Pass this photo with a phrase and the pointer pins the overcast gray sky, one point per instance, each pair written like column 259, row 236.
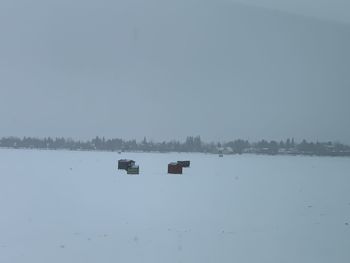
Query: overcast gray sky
column 167, row 69
column 337, row 10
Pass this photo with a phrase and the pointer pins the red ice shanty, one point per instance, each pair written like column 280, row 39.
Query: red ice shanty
column 174, row 168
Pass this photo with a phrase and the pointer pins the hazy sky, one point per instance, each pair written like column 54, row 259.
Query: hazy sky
column 337, row 10
column 167, row 69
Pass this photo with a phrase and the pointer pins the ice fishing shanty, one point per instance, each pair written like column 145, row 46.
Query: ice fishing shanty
column 124, row 164
column 129, row 166
column 134, row 169
column 184, row 163
column 174, row 168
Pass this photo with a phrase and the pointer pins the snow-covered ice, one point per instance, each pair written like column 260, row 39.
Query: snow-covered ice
column 65, row 206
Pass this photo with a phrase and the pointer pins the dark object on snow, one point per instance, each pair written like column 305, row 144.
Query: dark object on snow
column 134, row 169
column 174, row 168
column 221, row 154
column 184, row 163
column 124, row 164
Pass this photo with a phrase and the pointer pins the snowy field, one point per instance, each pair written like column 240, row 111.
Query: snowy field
column 65, row 207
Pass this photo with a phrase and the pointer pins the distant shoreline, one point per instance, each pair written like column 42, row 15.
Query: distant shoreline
column 192, row 145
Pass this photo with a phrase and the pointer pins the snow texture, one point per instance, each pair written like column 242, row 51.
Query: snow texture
column 65, row 207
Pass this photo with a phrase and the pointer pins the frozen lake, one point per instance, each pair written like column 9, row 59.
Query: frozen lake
column 65, row 207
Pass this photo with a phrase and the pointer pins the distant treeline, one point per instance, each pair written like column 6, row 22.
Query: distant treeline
column 191, row 144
